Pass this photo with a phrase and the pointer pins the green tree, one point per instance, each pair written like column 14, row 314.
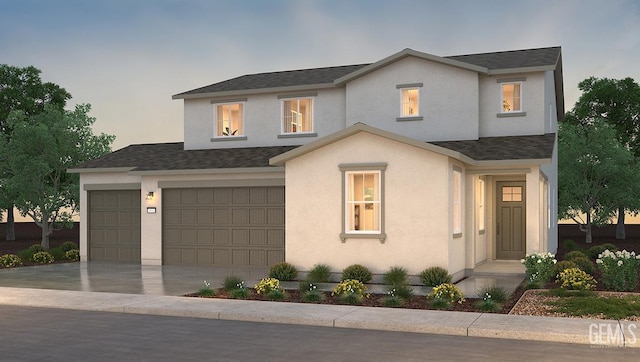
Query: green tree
column 618, row 103
column 43, row 147
column 21, row 89
column 595, row 170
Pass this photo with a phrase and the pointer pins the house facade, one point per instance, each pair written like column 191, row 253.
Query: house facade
column 415, row 160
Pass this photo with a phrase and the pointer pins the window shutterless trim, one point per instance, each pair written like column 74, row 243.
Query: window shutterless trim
column 229, row 138
column 298, row 95
column 363, row 167
column 409, row 119
column 230, row 100
column 409, row 85
column 511, row 114
column 511, row 80
column 298, row 134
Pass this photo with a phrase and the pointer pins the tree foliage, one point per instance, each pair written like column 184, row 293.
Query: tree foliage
column 618, row 103
column 21, row 89
column 43, row 146
column 595, row 170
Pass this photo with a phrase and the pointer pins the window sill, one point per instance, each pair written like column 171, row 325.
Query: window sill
column 511, row 114
column 409, row 119
column 481, row 232
column 229, row 138
column 457, row 236
column 297, row 135
column 381, row 236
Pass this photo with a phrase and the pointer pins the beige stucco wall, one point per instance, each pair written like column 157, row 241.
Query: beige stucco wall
column 262, row 119
column 448, row 100
column 416, row 206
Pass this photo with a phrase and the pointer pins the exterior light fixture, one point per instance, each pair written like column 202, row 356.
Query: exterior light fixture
column 149, row 195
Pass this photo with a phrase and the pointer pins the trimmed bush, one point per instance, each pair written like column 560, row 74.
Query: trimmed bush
column 57, row 253
column 570, row 245
column 42, row 257
column 575, row 254
column 36, row 248
column 283, row 271
column 444, row 294
column 596, row 250
column 563, row 265
column 68, row 245
column 576, row 279
column 434, row 276
column 585, row 264
column 395, row 276
column 320, row 273
column 72, row 255
column 357, row 272
column 10, row 260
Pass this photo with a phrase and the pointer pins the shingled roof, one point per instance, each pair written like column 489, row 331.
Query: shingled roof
column 173, row 156
column 516, row 59
column 504, row 148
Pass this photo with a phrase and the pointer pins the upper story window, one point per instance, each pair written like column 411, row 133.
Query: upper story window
column 409, row 102
column 229, row 120
column 297, row 115
column 511, row 97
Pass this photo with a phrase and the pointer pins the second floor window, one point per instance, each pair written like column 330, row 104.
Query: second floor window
column 410, row 102
column 297, row 115
column 229, row 120
column 511, row 97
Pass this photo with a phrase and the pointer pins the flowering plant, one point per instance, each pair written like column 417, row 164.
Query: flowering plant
column 267, row 285
column 576, row 279
column 73, row 254
column 10, row 260
column 351, row 290
column 539, row 267
column 447, row 293
column 42, row 257
column 206, row 291
column 619, row 269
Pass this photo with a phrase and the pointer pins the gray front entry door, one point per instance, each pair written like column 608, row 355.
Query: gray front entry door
column 511, row 220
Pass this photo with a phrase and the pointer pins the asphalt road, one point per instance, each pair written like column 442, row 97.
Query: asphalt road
column 35, row 334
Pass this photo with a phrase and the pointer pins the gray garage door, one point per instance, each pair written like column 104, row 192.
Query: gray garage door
column 223, row 226
column 114, row 225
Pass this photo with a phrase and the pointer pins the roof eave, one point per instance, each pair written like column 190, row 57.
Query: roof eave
column 100, row 169
column 234, row 93
column 208, row 171
column 403, row 54
column 542, row 68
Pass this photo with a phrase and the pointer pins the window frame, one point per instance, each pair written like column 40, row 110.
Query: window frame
column 216, row 122
column 510, row 81
column 409, row 117
column 456, row 202
column 363, row 168
column 502, row 98
column 297, row 98
column 481, row 202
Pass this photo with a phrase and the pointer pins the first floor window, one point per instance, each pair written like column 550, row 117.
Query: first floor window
column 410, row 102
column 457, row 201
column 363, row 201
column 229, row 120
column 481, row 201
column 297, row 115
column 511, row 97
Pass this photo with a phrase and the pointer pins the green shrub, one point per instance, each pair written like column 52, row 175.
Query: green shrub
column 72, row 255
column 240, row 293
column 283, row 271
column 570, row 245
column 445, row 294
column 563, row 265
column 26, row 254
column 540, row 267
column 576, row 279
column 585, row 264
column 596, row 250
column 488, row 303
column 357, row 272
column 42, row 257
column 619, row 270
column 232, row 282
column 267, row 285
column 68, row 245
column 320, row 273
column 434, row 276
column 575, row 254
column 36, row 248
column 351, row 291
column 395, row 276
column 10, row 260
column 496, row 294
column 206, row 291
column 393, row 300
column 311, row 293
column 57, row 253
column 404, row 291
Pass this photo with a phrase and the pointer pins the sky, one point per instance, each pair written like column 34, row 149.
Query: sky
column 128, row 57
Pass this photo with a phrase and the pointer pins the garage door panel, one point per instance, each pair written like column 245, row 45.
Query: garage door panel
column 231, row 226
column 114, row 225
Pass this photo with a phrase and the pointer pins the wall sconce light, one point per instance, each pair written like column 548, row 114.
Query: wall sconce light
column 149, row 195
column 151, row 210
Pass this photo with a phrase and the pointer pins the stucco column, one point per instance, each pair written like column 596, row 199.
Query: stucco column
column 533, row 211
column 150, row 223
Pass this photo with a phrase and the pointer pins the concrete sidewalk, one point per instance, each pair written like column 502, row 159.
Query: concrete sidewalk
column 600, row 333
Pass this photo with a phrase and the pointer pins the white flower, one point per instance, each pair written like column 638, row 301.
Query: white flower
column 619, row 262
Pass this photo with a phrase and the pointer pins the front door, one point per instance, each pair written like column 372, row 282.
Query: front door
column 511, row 225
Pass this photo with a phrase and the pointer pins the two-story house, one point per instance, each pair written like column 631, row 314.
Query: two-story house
column 415, row 160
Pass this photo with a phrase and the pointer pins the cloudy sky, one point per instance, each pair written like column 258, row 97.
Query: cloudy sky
column 128, row 57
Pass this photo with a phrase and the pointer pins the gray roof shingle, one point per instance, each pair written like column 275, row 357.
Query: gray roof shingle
column 173, row 156
column 504, row 148
column 492, row 61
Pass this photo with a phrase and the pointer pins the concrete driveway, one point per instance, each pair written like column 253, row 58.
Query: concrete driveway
column 95, row 276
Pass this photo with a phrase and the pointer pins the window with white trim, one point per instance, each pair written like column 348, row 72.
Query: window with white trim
column 297, row 115
column 229, row 120
column 363, row 201
column 457, row 202
column 511, row 97
column 410, row 102
column 481, row 200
